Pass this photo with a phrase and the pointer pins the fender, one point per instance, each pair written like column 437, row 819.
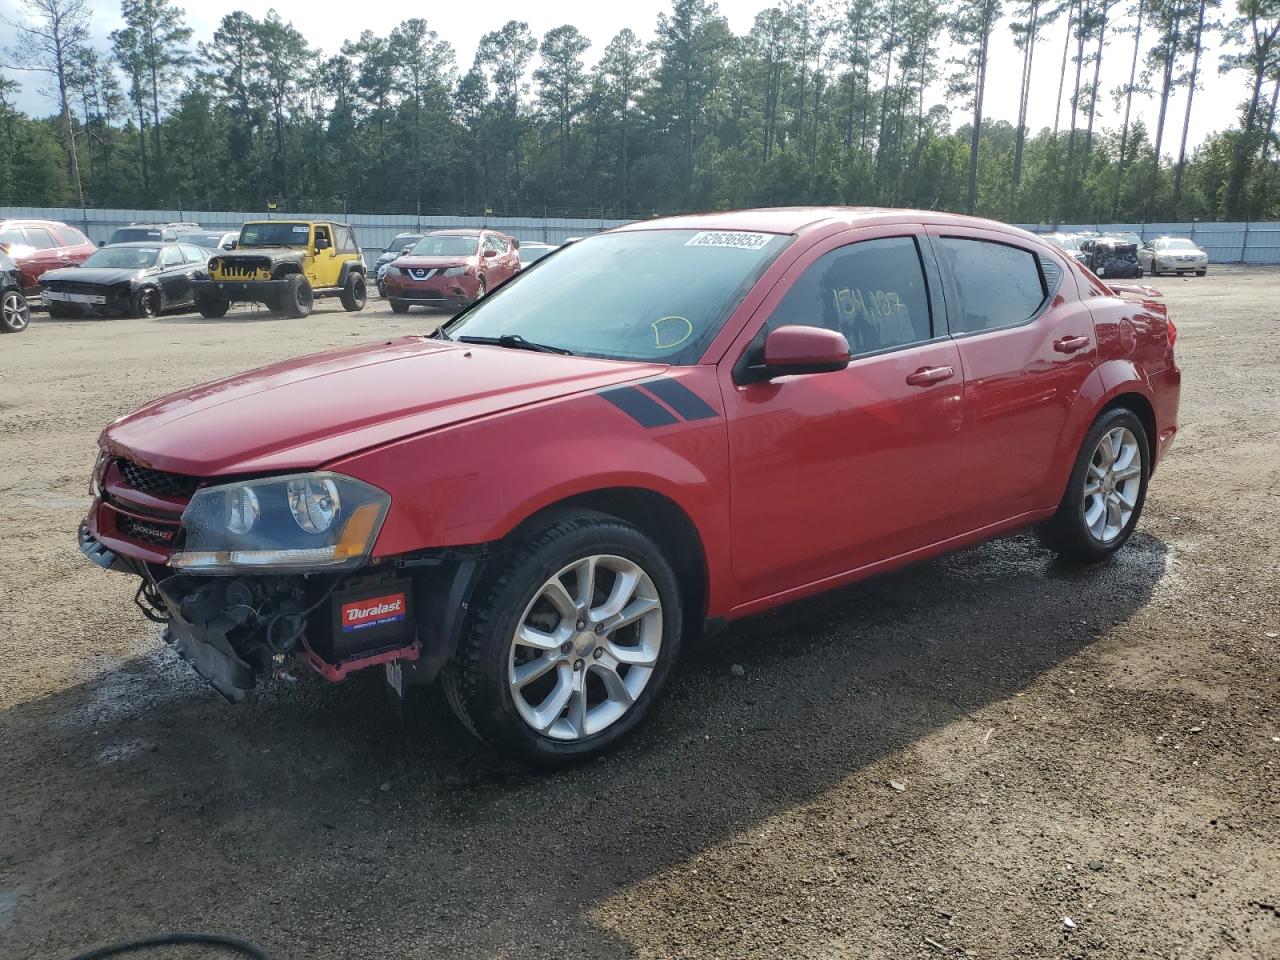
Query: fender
column 347, row 268
column 1110, row 379
column 475, row 482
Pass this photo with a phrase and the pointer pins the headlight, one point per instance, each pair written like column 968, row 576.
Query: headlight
column 454, row 272
column 392, row 271
column 215, row 264
column 296, row 523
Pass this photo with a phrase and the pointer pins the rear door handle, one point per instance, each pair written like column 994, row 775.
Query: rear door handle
column 1070, row 344
column 927, row 375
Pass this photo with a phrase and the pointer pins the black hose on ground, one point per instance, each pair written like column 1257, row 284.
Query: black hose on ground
column 173, row 939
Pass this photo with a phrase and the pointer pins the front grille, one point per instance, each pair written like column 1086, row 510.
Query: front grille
column 70, row 286
column 156, row 482
column 242, row 268
column 159, row 534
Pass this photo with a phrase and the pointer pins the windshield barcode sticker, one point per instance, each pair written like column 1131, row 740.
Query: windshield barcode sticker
column 300, row 229
column 721, row 238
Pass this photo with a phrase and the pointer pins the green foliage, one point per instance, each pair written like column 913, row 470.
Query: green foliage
column 821, row 101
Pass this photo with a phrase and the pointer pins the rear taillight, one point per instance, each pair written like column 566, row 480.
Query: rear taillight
column 1173, row 332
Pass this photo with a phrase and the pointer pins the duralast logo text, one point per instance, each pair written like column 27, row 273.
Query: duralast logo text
column 374, row 612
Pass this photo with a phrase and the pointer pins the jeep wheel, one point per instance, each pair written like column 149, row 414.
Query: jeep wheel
column 399, row 306
column 297, row 296
column 570, row 642
column 355, row 293
column 14, row 312
column 145, row 303
column 212, row 307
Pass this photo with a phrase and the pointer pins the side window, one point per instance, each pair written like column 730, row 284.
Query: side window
column 996, row 285
column 346, row 240
column 873, row 292
column 172, row 257
column 70, row 237
column 13, row 237
column 40, row 238
column 322, row 233
column 193, row 254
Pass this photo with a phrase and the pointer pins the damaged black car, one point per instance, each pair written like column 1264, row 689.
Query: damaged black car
column 1111, row 258
column 127, row 280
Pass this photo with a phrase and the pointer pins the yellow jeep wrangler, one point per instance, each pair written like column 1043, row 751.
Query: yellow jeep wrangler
column 285, row 265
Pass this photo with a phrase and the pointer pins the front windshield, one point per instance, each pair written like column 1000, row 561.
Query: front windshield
column 445, row 245
column 531, row 254
column 402, row 241
column 210, row 241
column 129, row 258
column 134, row 234
column 657, row 295
column 279, row 233
column 1177, row 245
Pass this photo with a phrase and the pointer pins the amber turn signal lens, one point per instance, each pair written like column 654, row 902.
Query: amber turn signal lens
column 357, row 535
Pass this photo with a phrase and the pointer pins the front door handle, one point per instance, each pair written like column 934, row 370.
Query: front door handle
column 1070, row 344
column 927, row 375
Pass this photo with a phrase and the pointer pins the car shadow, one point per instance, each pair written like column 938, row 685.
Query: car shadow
column 313, row 821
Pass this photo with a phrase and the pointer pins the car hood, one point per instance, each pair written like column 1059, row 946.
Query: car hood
column 304, row 413
column 431, row 263
column 100, row 275
column 275, row 253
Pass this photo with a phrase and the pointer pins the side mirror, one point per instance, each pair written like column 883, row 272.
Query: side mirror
column 792, row 350
column 322, row 243
column 102, row 243
column 489, row 253
column 405, row 251
column 515, row 244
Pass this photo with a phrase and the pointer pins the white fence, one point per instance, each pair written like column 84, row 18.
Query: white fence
column 374, row 232
column 1224, row 242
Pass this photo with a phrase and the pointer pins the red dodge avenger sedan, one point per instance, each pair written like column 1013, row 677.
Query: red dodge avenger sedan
column 451, row 269
column 672, row 424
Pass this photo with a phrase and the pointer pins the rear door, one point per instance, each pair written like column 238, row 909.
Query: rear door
column 831, row 472
column 47, row 253
column 1027, row 345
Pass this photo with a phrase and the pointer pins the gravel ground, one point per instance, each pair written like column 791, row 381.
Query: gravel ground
column 991, row 755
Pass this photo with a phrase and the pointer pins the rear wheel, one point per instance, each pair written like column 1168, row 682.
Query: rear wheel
column 15, row 314
column 570, row 643
column 355, row 292
column 212, row 307
column 1106, row 492
column 146, row 303
column 399, row 306
column 297, row 298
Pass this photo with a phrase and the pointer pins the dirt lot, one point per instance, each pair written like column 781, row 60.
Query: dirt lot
column 1101, row 745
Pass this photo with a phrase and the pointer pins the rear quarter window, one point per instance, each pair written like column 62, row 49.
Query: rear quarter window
column 994, row 284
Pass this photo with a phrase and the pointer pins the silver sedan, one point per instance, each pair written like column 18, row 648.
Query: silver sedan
column 1172, row 255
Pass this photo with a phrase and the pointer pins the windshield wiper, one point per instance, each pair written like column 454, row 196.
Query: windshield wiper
column 516, row 342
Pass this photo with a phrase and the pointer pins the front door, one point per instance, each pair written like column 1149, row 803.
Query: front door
column 832, row 472
column 1027, row 344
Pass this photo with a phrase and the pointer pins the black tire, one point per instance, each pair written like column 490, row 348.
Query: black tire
column 481, row 289
column 1067, row 531
column 1201, row 273
column 476, row 680
column 399, row 306
column 145, row 303
column 355, row 293
column 211, row 306
column 382, row 287
column 15, row 312
column 297, row 298
column 62, row 311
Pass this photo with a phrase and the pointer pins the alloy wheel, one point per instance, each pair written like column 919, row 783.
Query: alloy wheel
column 585, row 647
column 1112, row 484
column 15, row 311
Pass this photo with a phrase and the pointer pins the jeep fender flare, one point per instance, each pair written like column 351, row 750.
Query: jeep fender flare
column 347, row 267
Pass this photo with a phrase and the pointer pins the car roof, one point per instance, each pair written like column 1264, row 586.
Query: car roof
column 796, row 220
column 146, row 243
column 460, row 232
column 33, row 223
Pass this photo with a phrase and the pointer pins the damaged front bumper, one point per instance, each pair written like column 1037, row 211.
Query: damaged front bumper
column 404, row 614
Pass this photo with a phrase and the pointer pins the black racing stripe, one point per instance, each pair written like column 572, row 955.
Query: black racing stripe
column 642, row 409
column 681, row 399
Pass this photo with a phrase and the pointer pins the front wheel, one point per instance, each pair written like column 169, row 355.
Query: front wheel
column 571, row 642
column 146, row 303
column 355, row 292
column 1106, row 492
column 296, row 297
column 399, row 306
column 15, row 314
column 1201, row 273
column 212, row 307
